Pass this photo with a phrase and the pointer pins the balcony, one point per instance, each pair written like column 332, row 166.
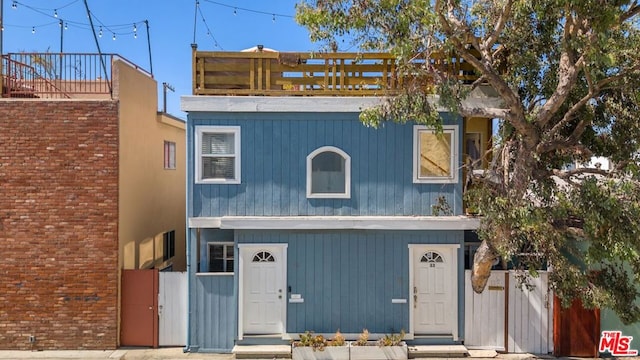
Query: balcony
column 269, row 73
column 58, row 76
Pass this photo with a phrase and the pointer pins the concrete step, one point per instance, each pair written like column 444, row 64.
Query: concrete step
column 437, row 351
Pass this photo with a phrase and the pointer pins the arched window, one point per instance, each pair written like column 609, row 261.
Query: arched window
column 263, row 256
column 431, row 257
column 328, row 173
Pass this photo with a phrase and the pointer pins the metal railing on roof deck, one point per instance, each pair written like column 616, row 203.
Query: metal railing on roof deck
column 323, row 74
column 56, row 76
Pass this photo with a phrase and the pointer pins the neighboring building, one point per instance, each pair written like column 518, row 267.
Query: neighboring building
column 91, row 182
column 301, row 218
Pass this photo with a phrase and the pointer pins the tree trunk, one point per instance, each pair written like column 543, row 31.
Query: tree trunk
column 482, row 262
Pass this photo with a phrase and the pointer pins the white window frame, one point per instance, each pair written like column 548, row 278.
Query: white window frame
column 447, row 129
column 200, row 130
column 224, row 254
column 347, row 174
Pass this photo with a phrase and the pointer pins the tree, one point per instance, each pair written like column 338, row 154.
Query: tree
column 568, row 74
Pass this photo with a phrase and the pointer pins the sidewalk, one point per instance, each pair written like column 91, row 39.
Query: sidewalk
column 120, row 354
column 177, row 353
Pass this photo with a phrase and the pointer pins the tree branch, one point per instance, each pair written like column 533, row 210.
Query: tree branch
column 497, row 30
column 452, row 28
column 633, row 10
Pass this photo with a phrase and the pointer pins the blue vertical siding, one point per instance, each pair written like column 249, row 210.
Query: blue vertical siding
column 348, row 278
column 214, row 328
column 274, row 150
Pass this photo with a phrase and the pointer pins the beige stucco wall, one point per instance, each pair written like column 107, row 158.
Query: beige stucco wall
column 152, row 199
column 482, row 126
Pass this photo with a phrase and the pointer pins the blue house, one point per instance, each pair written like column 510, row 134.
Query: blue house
column 302, row 218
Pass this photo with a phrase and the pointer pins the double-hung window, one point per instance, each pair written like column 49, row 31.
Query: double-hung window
column 218, row 154
column 329, row 173
column 435, row 155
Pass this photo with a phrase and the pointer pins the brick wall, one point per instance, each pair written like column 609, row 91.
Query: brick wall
column 58, row 224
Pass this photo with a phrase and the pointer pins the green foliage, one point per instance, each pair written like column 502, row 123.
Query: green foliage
column 567, row 73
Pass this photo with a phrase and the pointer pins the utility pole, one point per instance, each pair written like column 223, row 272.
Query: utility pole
column 165, row 86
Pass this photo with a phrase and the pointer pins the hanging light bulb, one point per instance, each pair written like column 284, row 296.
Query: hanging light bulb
column 66, row 26
column 14, row 5
column 100, row 32
column 114, row 37
column 273, row 18
column 135, row 28
column 33, row 29
column 235, row 11
column 135, row 35
column 55, row 13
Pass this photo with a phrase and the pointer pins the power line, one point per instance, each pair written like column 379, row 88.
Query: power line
column 236, row 8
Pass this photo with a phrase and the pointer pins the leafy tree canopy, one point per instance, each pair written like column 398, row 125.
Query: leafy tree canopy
column 568, row 75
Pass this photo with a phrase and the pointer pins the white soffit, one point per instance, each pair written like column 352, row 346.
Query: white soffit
column 338, row 222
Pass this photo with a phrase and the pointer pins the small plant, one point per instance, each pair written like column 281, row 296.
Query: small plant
column 338, row 339
column 391, row 339
column 316, row 342
column 363, row 338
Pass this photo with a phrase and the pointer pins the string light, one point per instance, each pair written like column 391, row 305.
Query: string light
column 66, row 26
column 273, row 18
column 100, row 32
column 114, row 36
column 135, row 28
column 235, row 11
column 55, row 13
column 33, row 29
column 14, row 5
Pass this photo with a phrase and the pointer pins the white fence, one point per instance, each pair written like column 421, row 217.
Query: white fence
column 172, row 308
column 506, row 318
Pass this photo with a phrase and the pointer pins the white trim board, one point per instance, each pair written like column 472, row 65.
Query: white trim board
column 338, row 222
column 482, row 96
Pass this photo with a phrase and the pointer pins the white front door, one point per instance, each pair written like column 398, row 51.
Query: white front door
column 263, row 293
column 434, row 290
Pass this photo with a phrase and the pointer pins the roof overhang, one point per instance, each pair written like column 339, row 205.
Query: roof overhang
column 337, row 222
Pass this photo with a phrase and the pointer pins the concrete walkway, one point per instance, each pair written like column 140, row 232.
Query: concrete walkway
column 177, row 354
column 120, row 354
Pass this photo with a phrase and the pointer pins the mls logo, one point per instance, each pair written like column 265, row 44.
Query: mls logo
column 616, row 344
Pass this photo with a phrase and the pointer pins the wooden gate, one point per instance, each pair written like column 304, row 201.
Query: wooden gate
column 530, row 322
column 172, row 304
column 577, row 330
column 485, row 319
column 139, row 317
column 506, row 318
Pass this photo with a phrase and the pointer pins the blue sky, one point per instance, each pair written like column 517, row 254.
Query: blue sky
column 219, row 25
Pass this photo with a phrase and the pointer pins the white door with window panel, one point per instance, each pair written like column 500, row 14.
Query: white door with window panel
column 434, row 290
column 263, row 290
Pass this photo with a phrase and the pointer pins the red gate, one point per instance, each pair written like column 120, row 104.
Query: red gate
column 139, row 316
column 576, row 330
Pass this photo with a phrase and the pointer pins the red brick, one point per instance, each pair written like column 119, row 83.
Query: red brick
column 58, row 210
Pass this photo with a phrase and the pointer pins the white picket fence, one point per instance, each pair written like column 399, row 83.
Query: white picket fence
column 507, row 318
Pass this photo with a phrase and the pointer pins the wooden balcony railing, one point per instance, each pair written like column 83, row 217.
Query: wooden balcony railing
column 324, row 74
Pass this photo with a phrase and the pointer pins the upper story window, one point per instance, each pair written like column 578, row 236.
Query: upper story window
column 169, row 155
column 328, row 173
column 218, row 154
column 435, row 156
